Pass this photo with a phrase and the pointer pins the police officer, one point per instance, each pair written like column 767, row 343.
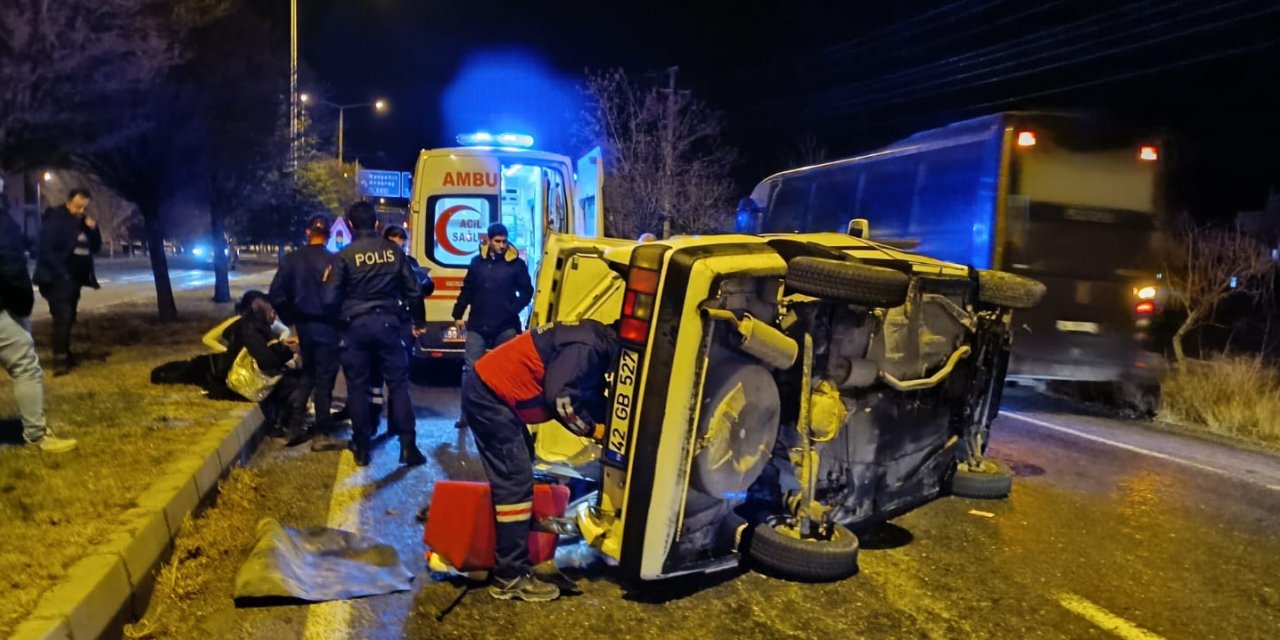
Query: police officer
column 297, row 295
column 400, row 237
column 556, row 371
column 379, row 298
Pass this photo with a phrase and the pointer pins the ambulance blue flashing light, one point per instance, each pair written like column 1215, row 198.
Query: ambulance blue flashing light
column 484, row 139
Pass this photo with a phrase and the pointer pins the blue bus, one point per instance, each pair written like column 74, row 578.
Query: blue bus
column 1064, row 198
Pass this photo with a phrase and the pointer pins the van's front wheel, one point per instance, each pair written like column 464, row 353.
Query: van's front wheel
column 776, row 545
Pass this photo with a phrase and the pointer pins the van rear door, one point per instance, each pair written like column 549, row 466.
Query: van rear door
column 576, row 281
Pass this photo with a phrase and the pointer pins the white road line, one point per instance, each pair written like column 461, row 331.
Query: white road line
column 332, row 620
column 1103, row 618
column 1135, row 449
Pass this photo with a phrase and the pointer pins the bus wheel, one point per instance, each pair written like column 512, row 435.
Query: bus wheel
column 1009, row 289
column 847, row 281
column 777, row 547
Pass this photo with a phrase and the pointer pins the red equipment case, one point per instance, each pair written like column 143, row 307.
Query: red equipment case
column 460, row 523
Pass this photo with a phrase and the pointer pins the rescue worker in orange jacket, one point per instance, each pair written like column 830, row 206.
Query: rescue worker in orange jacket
column 556, row 371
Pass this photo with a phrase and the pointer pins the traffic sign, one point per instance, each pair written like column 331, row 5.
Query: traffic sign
column 406, row 184
column 379, row 184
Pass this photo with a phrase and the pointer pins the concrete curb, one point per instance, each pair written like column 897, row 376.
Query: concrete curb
column 112, row 584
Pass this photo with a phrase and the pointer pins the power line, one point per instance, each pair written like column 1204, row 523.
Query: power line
column 918, row 89
column 850, row 46
column 1257, row 46
column 876, row 100
column 1024, row 42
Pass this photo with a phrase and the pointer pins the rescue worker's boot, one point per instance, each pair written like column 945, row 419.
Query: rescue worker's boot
column 525, row 587
column 410, row 454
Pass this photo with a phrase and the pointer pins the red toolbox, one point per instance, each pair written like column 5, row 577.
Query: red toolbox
column 460, row 523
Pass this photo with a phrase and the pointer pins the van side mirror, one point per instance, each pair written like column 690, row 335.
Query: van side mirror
column 860, row 228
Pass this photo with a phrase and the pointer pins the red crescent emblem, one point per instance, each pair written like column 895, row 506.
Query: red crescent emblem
column 442, row 228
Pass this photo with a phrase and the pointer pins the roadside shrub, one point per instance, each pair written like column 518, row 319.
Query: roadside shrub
column 1229, row 395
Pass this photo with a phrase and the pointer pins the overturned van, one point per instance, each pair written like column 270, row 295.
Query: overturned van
column 773, row 393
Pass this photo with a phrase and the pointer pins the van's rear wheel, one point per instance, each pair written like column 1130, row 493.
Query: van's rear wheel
column 847, row 281
column 775, row 545
column 1009, row 289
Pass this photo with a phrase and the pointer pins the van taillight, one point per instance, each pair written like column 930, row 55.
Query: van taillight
column 642, row 293
column 1145, row 308
column 1148, row 152
column 1026, row 138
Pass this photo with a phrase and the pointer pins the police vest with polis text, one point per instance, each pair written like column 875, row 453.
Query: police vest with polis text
column 375, row 277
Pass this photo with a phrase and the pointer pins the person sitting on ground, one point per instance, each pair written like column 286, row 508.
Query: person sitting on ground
column 255, row 329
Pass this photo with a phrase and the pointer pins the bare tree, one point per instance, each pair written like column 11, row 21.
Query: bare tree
column 666, row 162
column 808, row 150
column 72, row 71
column 1211, row 265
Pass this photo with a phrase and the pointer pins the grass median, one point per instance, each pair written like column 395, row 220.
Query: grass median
column 55, row 507
column 1233, row 396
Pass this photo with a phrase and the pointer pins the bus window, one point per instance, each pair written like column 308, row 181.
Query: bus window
column 789, row 211
column 888, row 195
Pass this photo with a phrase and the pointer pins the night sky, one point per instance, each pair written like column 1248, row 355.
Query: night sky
column 855, row 76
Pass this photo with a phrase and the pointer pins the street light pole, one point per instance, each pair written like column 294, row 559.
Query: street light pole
column 293, row 83
column 378, row 105
column 341, row 126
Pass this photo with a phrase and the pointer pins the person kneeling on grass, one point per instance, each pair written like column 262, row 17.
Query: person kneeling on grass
column 255, row 330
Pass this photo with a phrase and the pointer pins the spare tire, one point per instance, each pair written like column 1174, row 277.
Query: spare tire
column 807, row 560
column 847, row 281
column 1009, row 289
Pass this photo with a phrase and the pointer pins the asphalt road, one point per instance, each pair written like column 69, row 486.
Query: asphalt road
column 1114, row 529
column 129, row 279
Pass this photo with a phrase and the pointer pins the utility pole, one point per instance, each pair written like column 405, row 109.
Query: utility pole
column 293, row 84
column 668, row 150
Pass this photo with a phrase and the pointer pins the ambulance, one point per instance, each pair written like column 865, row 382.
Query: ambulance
column 458, row 192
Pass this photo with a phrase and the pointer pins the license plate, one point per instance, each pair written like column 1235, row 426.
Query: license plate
column 1079, row 327
column 615, row 452
column 454, row 335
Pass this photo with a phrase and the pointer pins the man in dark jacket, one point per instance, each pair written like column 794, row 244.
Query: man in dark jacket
column 497, row 288
column 64, row 263
column 17, row 347
column 557, row 371
column 297, row 293
column 374, row 287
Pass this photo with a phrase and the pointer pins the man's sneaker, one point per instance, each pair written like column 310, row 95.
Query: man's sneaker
column 54, row 444
column 525, row 587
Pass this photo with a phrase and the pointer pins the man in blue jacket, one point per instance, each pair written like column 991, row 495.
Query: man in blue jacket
column 497, row 288
column 297, row 293
column 64, row 263
column 17, row 347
